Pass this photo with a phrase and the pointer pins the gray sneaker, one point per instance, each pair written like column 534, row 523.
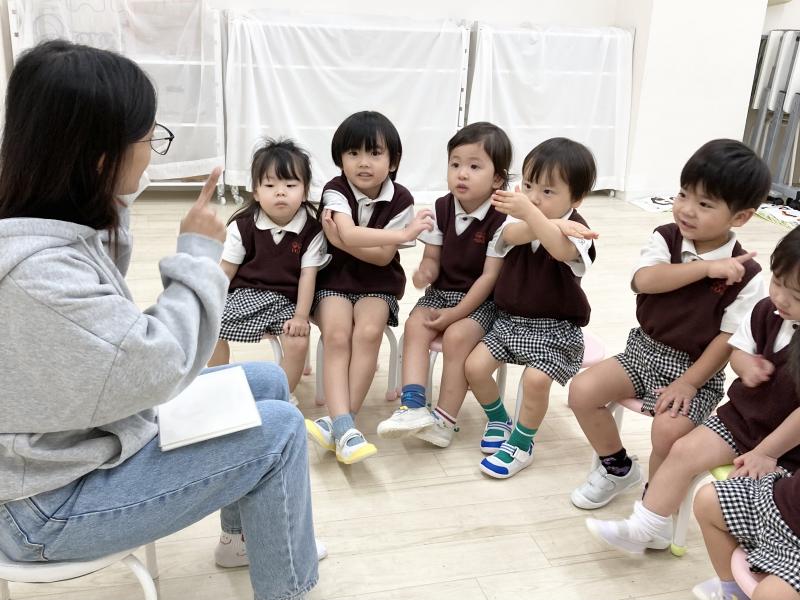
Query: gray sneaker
column 600, row 487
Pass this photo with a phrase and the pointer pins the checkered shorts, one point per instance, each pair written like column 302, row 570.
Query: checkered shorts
column 754, row 520
column 485, row 314
column 715, row 424
column 250, row 313
column 394, row 307
column 554, row 347
column 651, row 365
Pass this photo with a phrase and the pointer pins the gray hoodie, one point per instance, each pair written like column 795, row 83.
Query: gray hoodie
column 81, row 366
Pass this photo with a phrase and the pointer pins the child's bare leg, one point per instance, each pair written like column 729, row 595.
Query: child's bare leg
column 369, row 320
column 335, row 317
column 535, row 398
column 295, row 348
column 719, row 542
column 417, row 339
column 774, row 588
column 221, row 355
column 460, row 339
column 478, row 369
column 589, row 394
column 665, row 432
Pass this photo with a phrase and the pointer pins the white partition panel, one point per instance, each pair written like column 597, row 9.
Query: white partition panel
column 543, row 82
column 299, row 76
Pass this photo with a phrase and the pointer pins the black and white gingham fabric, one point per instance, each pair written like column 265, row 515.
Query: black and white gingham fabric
column 651, row 365
column 394, row 307
column 754, row 520
column 717, row 426
column 250, row 313
column 485, row 314
column 553, row 346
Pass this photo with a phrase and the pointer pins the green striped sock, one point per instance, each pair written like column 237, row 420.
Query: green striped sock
column 521, row 437
column 496, row 411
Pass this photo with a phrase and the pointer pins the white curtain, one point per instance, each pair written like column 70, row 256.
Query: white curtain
column 177, row 42
column 543, row 82
column 300, row 76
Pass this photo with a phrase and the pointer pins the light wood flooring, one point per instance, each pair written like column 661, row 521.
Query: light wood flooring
column 416, row 522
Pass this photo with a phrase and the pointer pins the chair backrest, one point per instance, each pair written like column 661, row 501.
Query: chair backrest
column 594, row 350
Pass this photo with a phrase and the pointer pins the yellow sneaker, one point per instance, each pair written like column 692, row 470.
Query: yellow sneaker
column 357, row 450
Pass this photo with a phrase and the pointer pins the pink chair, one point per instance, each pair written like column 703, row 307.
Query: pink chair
column 740, row 568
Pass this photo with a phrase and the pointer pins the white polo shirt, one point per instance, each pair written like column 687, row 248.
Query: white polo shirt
column 743, row 338
column 463, row 220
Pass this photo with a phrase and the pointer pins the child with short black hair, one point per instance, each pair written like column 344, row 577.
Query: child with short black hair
column 459, row 268
column 366, row 218
column 541, row 306
column 273, row 249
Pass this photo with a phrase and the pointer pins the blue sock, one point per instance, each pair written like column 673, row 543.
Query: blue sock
column 341, row 424
column 413, row 396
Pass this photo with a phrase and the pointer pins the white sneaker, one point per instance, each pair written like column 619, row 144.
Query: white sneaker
column 232, row 552
column 601, row 487
column 405, row 421
column 494, row 467
column 321, row 431
column 630, row 535
column 439, row 434
column 355, row 452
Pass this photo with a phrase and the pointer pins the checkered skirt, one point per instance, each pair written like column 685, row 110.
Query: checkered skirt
column 651, row 365
column 250, row 313
column 755, row 521
column 715, row 424
column 437, row 299
column 394, row 307
column 553, row 346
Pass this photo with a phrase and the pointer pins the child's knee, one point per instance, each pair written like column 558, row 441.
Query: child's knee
column 368, row 333
column 582, row 391
column 295, row 344
column 535, row 383
column 667, row 431
column 704, row 501
column 458, row 340
column 337, row 338
column 476, row 368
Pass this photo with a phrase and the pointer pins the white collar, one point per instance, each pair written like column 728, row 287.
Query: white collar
column 724, row 251
column 479, row 213
column 792, row 324
column 568, row 214
column 296, row 225
column 385, row 195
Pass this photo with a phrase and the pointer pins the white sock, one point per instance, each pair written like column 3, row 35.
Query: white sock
column 650, row 523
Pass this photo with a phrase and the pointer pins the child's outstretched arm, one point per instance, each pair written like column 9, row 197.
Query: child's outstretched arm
column 428, row 269
column 380, row 255
column 476, row 295
column 666, row 277
column 299, row 324
column 355, row 236
column 763, row 458
column 539, row 227
column 681, row 391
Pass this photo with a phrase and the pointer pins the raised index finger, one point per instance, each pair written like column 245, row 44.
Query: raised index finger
column 208, row 188
column 746, row 256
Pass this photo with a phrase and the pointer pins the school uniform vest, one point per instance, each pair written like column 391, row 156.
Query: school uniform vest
column 688, row 318
column 347, row 274
column 463, row 256
column 537, row 286
column 753, row 413
column 271, row 266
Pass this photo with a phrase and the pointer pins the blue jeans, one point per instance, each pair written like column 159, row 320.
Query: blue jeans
column 259, row 477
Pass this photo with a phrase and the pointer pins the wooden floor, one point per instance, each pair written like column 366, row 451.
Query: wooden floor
column 416, row 522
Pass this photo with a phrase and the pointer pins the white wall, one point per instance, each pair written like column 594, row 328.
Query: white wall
column 782, row 16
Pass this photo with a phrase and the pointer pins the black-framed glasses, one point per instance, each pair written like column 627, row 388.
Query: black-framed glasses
column 161, row 139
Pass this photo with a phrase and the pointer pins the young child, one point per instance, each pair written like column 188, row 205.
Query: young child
column 273, row 250
column 758, row 429
column 460, row 267
column 366, row 218
column 541, row 306
column 695, row 284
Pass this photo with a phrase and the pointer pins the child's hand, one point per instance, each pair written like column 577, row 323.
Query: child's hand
column 422, row 277
column 330, row 230
column 729, row 269
column 515, row 203
column 753, row 464
column 754, row 369
column 297, row 327
column 574, row 229
column 679, row 394
column 423, row 221
column 440, row 319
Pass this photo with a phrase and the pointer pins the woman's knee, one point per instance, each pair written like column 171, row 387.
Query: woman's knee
column 267, row 380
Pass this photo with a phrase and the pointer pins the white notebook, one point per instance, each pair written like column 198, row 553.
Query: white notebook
column 214, row 404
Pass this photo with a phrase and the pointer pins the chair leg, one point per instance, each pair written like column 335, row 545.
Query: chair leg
column 502, row 372
column 151, row 560
column 140, row 572
column 277, row 350
column 678, row 546
column 5, row 593
column 392, row 391
column 319, row 398
column 518, row 402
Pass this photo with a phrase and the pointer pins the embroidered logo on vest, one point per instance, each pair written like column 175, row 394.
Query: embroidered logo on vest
column 296, row 247
column 719, row 287
column 479, row 237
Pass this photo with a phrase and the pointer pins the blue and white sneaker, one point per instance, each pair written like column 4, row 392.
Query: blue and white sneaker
column 491, row 443
column 499, row 469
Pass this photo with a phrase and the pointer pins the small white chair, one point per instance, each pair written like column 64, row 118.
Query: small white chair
column 392, row 391
column 50, row 572
column 746, row 579
column 435, row 349
column 277, row 351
